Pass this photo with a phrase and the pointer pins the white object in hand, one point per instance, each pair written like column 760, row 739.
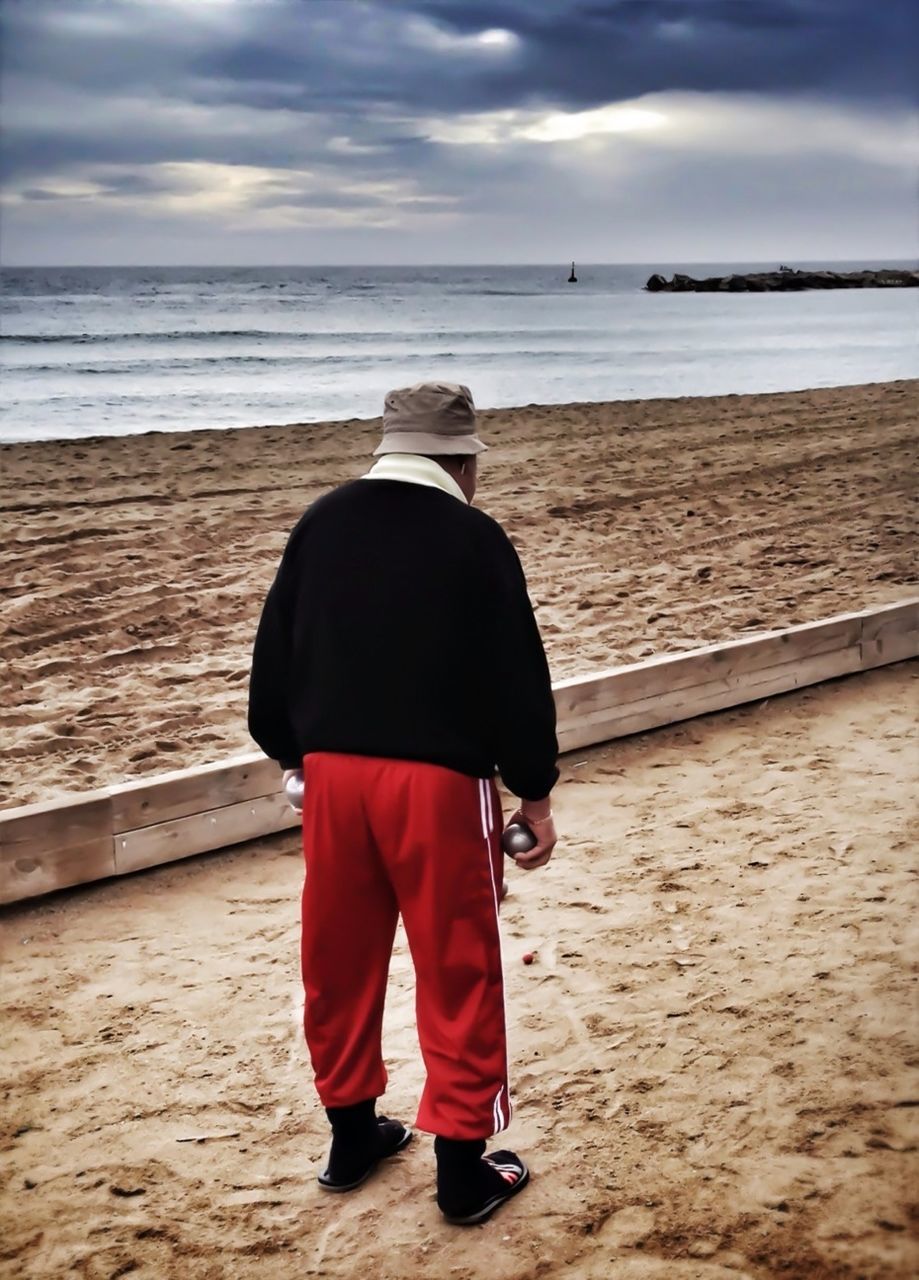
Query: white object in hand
column 293, row 789
column 517, row 838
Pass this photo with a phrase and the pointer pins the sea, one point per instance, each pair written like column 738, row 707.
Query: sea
column 95, row 351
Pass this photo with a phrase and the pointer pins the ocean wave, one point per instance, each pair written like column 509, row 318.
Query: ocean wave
column 118, row 368
column 352, row 359
column 356, row 337
column 171, row 335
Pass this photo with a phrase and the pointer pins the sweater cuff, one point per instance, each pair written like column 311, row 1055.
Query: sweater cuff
column 533, row 786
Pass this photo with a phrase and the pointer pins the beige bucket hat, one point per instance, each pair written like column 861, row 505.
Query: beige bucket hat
column 430, row 418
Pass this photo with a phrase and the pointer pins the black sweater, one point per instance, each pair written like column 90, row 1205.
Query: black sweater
column 399, row 625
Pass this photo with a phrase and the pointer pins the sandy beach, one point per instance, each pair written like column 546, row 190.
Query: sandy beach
column 714, row 1051
column 135, row 568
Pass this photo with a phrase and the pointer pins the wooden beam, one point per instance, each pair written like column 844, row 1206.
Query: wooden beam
column 189, row 791
column 617, row 720
column 201, row 832
column 156, row 820
column 55, row 845
column 669, row 673
column 889, row 634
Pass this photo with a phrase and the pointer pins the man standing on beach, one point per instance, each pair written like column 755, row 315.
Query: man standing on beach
column 398, row 662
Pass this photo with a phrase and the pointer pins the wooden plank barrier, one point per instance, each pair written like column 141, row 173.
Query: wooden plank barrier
column 48, row 846
column 185, row 793
column 140, row 824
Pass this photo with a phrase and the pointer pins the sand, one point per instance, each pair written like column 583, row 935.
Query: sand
column 134, row 569
column 714, row 1056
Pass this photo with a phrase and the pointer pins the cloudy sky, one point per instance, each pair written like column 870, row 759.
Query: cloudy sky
column 391, row 131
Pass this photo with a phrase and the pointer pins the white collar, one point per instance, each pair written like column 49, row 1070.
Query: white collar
column 414, row 468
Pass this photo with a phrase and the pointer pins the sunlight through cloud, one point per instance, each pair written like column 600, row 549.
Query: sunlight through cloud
column 563, row 126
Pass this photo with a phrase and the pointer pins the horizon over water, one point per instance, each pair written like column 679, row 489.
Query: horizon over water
column 87, row 351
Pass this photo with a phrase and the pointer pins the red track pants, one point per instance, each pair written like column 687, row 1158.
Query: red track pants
column 382, row 837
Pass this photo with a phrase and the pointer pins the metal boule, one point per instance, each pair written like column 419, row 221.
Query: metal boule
column 517, row 838
column 293, row 789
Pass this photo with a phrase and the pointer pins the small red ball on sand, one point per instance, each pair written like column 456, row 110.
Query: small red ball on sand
column 529, row 957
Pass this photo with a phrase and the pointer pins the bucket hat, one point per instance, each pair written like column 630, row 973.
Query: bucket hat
column 430, row 418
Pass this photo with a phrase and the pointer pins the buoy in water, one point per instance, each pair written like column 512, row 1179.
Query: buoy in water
column 572, row 279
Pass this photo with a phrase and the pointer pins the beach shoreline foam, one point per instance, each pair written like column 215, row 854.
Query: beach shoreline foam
column 135, row 567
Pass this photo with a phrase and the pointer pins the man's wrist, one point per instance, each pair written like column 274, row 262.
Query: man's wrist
column 536, row 810
column 538, row 822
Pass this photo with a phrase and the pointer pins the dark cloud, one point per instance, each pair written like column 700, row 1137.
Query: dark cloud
column 580, row 50
column 354, row 99
column 360, row 64
column 351, row 56
column 39, row 194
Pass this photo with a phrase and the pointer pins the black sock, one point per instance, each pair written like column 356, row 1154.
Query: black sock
column 464, row 1180
column 355, row 1139
column 354, row 1121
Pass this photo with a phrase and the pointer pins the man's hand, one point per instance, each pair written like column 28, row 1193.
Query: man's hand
column 538, row 817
